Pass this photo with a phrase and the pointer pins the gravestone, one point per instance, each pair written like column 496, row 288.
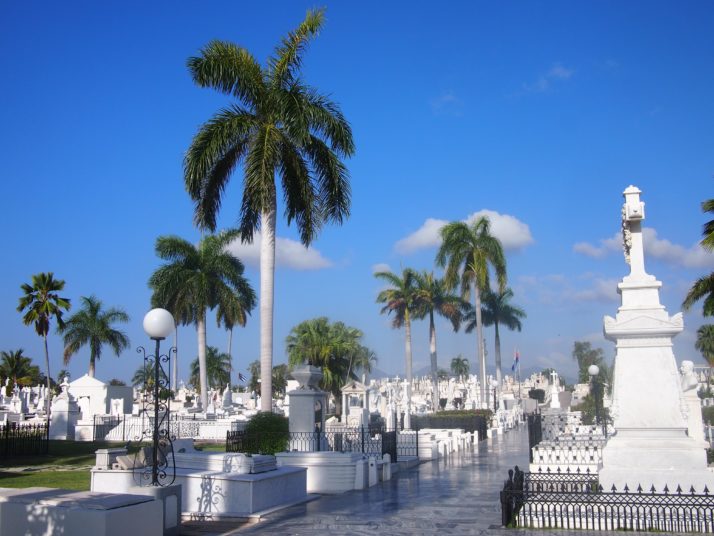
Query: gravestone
column 651, row 446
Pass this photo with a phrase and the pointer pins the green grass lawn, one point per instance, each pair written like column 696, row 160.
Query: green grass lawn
column 75, row 479
column 67, row 464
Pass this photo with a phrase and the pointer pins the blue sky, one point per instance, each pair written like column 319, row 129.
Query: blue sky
column 540, row 112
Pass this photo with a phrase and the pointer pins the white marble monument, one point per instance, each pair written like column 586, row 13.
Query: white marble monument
column 651, row 446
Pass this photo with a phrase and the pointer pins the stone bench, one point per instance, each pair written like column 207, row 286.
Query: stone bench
column 47, row 511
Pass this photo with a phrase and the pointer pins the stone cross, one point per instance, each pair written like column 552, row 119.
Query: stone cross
column 633, row 213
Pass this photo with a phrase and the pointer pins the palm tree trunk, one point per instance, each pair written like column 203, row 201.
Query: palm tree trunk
column 202, row 376
column 498, row 355
column 479, row 346
column 432, row 355
column 47, row 366
column 267, row 281
column 92, row 359
column 408, row 351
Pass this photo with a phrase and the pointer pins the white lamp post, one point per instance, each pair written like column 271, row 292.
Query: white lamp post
column 158, row 324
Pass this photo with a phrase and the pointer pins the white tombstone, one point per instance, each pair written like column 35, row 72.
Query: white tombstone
column 64, row 414
column 651, row 446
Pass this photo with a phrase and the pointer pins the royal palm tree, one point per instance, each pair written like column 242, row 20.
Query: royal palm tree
column 217, row 369
column 40, row 304
column 197, row 279
column 460, row 366
column 91, row 326
column 467, row 252
column 496, row 311
column 433, row 296
column 235, row 313
column 401, row 299
column 279, row 128
column 16, row 366
column 334, row 347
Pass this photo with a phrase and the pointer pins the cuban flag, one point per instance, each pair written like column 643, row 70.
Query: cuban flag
column 516, row 360
column 241, row 377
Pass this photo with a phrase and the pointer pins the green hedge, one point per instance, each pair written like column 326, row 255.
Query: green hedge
column 469, row 420
column 268, row 433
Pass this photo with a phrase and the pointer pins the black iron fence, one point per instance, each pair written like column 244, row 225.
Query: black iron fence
column 372, row 442
column 575, row 501
column 23, row 439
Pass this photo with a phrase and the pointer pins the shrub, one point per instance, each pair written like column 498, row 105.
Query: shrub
column 267, row 433
column 708, row 414
column 537, row 394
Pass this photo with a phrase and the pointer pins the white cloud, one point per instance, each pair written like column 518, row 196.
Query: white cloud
column 655, row 247
column 381, row 267
column 447, row 104
column 513, row 233
column 288, row 254
column 556, row 73
column 558, row 290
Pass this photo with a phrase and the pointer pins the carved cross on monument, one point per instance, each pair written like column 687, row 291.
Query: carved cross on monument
column 633, row 212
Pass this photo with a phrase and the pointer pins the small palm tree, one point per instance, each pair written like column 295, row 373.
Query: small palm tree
column 217, row 370
column 433, row 296
column 705, row 343
column 703, row 288
column 196, row 279
column 467, row 252
column 91, row 326
column 496, row 310
column 401, row 299
column 144, row 376
column 335, row 347
column 40, row 304
column 14, row 364
column 279, row 128
column 233, row 313
column 460, row 366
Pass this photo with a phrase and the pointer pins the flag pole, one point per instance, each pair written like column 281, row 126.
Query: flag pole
column 519, row 375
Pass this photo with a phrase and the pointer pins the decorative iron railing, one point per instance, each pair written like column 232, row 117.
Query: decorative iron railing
column 18, row 439
column 372, row 442
column 576, row 501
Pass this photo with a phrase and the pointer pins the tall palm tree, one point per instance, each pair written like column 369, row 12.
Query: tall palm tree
column 91, row 326
column 16, row 366
column 467, row 252
column 278, row 128
column 401, row 299
column 40, row 304
column 495, row 311
column 197, row 279
column 460, row 366
column 335, row 347
column 235, row 313
column 704, row 286
column 433, row 296
column 217, row 369
column 144, row 376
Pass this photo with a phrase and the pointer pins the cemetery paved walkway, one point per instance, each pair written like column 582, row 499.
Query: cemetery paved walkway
column 456, row 496
column 459, row 495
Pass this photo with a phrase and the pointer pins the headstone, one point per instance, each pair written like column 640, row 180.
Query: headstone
column 64, row 414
